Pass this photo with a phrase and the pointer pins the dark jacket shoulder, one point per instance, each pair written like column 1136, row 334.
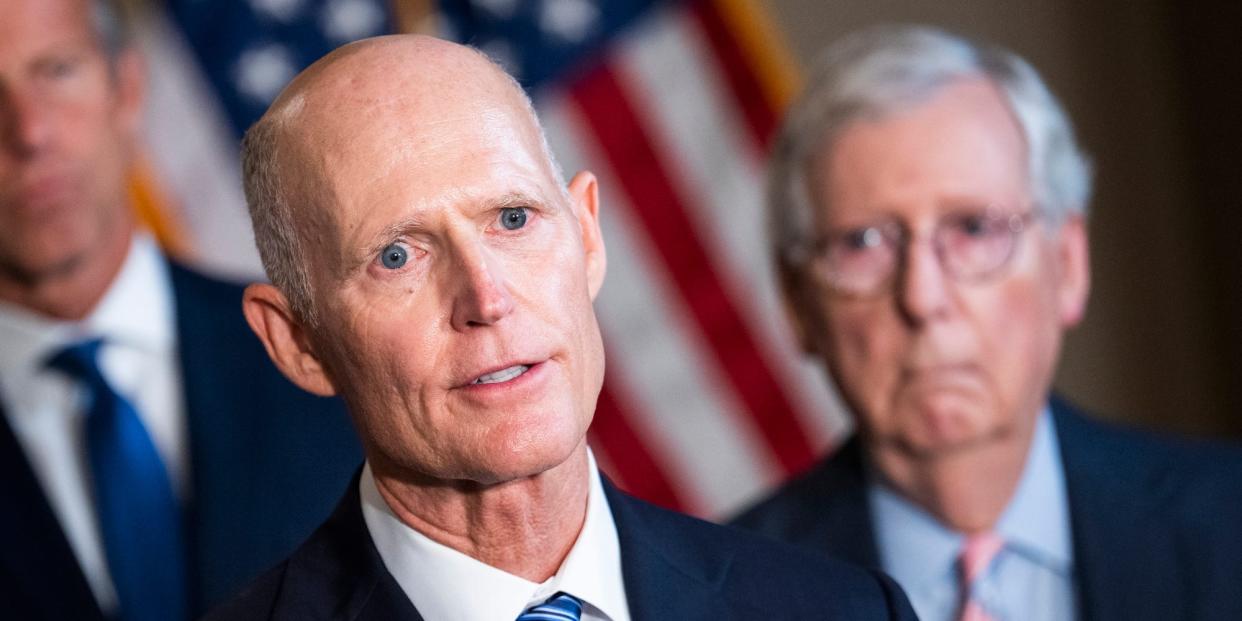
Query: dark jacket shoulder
column 752, row 574
column 674, row 567
column 824, row 509
column 1153, row 518
column 267, row 457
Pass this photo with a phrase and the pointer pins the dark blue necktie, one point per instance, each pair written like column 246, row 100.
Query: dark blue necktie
column 560, row 607
column 139, row 517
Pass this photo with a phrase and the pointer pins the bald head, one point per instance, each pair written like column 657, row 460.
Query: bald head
column 359, row 114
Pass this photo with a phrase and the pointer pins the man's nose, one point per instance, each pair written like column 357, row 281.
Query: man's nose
column 923, row 288
column 482, row 297
column 25, row 125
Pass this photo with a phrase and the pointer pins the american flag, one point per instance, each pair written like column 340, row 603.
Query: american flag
column 672, row 104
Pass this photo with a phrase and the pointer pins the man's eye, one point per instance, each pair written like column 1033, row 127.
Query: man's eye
column 513, row 218
column 394, row 256
column 58, row 68
column 61, row 69
column 975, row 226
column 862, row 239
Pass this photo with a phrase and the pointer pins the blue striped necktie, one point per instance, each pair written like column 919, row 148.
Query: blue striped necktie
column 139, row 517
column 560, row 607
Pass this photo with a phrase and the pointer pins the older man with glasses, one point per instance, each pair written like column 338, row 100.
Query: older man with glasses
column 928, row 204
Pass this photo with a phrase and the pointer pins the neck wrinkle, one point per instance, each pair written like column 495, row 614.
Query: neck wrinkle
column 519, row 526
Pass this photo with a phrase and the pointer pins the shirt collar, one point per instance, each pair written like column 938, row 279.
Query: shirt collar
column 914, row 547
column 443, row 583
column 1036, row 522
column 131, row 313
column 918, row 551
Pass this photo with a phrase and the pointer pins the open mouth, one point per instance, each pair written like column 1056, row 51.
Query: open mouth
column 502, row 375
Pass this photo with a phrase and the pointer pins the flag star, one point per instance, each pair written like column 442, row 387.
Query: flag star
column 261, row 72
column 347, row 20
column 282, row 10
column 570, row 20
column 500, row 9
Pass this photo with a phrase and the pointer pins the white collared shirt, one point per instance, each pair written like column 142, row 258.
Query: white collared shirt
column 1032, row 577
column 46, row 409
column 447, row 585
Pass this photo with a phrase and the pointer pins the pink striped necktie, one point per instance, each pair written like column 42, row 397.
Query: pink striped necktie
column 977, row 554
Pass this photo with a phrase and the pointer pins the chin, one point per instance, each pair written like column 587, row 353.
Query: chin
column 523, row 455
column 945, row 426
column 516, row 468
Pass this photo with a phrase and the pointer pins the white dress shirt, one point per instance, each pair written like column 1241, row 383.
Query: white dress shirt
column 446, row 585
column 1031, row 578
column 46, row 409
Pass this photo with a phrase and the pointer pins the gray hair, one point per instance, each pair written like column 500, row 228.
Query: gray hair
column 275, row 233
column 886, row 69
column 280, row 244
column 108, row 20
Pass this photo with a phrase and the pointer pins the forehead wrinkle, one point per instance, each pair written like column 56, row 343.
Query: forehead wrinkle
column 372, row 110
column 526, row 185
column 397, row 136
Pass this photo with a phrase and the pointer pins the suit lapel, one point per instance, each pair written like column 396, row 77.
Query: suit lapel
column 1116, row 491
column 216, row 457
column 842, row 523
column 36, row 560
column 338, row 574
column 667, row 575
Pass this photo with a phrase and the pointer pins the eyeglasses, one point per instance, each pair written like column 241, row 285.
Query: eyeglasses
column 971, row 245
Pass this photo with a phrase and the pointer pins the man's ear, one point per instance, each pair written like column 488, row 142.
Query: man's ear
column 130, row 80
column 584, row 192
column 1074, row 262
column 269, row 315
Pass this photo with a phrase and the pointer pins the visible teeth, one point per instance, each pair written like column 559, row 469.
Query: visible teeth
column 502, row 375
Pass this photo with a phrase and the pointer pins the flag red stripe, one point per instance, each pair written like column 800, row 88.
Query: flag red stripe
column 637, row 471
column 611, row 117
column 744, row 85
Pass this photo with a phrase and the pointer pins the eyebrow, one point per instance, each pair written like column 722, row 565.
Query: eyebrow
column 384, row 236
column 515, row 199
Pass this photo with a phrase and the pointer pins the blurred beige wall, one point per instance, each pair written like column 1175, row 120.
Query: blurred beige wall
column 1154, row 349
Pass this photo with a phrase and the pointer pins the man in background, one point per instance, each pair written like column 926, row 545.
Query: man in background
column 151, row 458
column 430, row 265
column 928, row 210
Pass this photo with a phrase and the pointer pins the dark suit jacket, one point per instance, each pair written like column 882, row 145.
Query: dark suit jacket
column 675, row 567
column 266, row 461
column 1157, row 524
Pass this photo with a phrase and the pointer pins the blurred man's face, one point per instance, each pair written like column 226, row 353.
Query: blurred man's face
column 455, row 284
column 66, row 130
column 930, row 364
